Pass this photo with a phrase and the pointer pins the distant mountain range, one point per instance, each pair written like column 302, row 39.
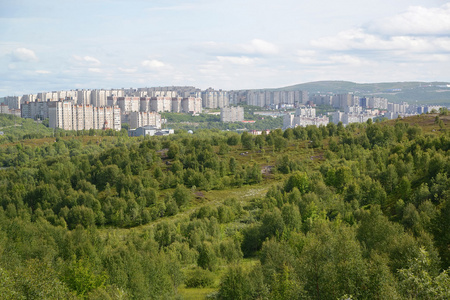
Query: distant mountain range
column 422, row 92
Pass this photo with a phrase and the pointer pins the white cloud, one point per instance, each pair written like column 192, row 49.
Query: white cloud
column 94, row 70
column 153, row 64
column 128, row 70
column 348, row 60
column 42, row 72
column 257, row 46
column 307, row 57
column 24, row 54
column 237, row 60
column 358, row 39
column 87, row 59
column 417, row 20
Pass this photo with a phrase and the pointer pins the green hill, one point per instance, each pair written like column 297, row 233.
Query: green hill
column 422, row 92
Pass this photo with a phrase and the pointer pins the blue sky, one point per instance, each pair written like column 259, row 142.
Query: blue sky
column 53, row 45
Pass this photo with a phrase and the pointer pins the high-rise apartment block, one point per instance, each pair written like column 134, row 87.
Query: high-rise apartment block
column 215, row 99
column 35, row 110
column 275, row 99
column 304, row 116
column 66, row 115
column 139, row 119
column 232, row 114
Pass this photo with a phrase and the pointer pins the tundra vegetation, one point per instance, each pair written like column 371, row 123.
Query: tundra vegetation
column 334, row 212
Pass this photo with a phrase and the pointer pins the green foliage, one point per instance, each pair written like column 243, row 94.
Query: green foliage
column 80, row 277
column 207, row 258
column 199, row 278
column 233, row 285
column 297, row 180
column 182, row 195
column 113, row 217
column 416, row 282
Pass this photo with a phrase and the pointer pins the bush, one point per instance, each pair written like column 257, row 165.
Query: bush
column 199, row 278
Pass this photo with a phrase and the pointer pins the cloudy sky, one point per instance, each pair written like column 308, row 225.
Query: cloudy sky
column 50, row 45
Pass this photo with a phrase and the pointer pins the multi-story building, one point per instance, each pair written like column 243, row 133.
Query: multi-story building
column 65, row 115
column 322, row 99
column 304, row 116
column 99, row 97
column 275, row 99
column 232, row 114
column 4, row 109
column 139, row 119
column 215, row 99
column 161, row 104
column 60, row 114
column 28, row 98
column 374, row 102
column 344, row 100
column 353, row 114
column 35, row 110
column 84, row 97
column 191, row 105
column 13, row 102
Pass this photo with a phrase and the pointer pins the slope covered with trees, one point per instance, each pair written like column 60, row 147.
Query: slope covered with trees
column 333, row 212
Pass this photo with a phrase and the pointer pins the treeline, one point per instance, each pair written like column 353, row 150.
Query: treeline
column 206, row 121
column 358, row 212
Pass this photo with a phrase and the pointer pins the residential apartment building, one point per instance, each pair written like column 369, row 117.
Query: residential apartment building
column 276, row 99
column 232, row 114
column 35, row 110
column 191, row 105
column 99, row 97
column 374, row 102
column 304, row 116
column 353, row 114
column 66, row 115
column 139, row 119
column 4, row 109
column 215, row 99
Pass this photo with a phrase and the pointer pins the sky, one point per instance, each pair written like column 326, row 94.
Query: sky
column 51, row 45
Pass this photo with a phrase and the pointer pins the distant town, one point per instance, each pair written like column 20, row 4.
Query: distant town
column 141, row 108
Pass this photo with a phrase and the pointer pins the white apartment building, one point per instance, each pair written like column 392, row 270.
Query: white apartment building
column 353, row 114
column 191, row 105
column 139, row 119
column 65, row 115
column 215, row 99
column 84, row 97
column 28, row 98
column 4, row 109
column 99, row 97
column 276, row 98
column 232, row 114
column 304, row 116
column 161, row 104
column 377, row 102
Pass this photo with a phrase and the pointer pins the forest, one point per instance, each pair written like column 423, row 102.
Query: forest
column 329, row 212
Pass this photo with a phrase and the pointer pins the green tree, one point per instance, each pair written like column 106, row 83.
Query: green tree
column 81, row 278
column 234, row 284
column 247, row 140
column 207, row 258
column 417, row 283
column 297, row 180
column 182, row 195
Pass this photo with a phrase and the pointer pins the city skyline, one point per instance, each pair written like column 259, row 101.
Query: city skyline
column 63, row 45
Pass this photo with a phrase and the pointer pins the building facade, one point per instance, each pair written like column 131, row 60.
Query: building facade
column 232, row 114
column 67, row 116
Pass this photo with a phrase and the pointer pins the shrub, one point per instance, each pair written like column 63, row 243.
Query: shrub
column 199, row 278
